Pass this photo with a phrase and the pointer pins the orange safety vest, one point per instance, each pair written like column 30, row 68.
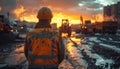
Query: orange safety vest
column 43, row 48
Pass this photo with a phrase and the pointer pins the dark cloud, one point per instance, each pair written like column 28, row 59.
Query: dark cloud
column 55, row 4
column 92, row 5
column 87, row 7
column 30, row 3
column 65, row 6
column 8, row 5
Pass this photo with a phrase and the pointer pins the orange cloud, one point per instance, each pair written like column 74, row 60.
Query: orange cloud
column 19, row 11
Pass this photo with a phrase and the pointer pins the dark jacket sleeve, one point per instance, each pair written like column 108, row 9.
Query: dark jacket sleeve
column 26, row 48
column 61, row 50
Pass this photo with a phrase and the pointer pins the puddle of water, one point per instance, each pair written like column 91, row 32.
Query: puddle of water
column 16, row 56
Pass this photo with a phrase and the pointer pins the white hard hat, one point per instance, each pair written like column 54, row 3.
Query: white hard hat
column 44, row 13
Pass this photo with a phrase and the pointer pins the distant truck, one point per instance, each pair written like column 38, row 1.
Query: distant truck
column 65, row 27
column 7, row 33
column 87, row 22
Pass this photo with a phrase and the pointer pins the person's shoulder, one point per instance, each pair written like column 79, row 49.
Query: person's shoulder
column 34, row 31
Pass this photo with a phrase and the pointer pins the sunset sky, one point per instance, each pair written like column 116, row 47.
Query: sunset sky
column 70, row 9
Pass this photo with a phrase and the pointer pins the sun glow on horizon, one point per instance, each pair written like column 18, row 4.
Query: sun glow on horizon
column 57, row 18
column 21, row 14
